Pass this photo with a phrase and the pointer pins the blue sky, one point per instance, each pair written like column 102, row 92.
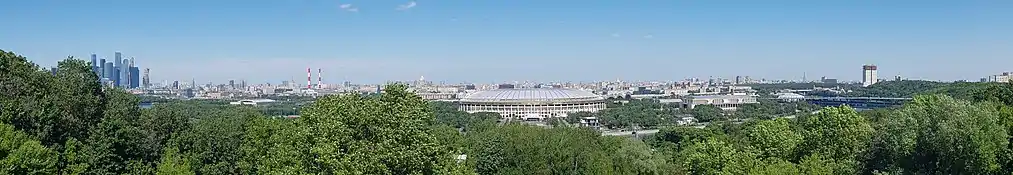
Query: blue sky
column 516, row 40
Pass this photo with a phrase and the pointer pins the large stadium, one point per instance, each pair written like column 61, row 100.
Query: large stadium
column 532, row 104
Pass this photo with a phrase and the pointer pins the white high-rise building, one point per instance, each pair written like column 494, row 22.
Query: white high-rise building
column 869, row 75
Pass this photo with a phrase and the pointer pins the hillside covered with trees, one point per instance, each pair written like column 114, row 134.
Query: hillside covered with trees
column 66, row 123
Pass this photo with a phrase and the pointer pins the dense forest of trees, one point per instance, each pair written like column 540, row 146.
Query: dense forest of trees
column 66, row 123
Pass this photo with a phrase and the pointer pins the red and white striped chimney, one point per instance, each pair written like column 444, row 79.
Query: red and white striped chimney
column 309, row 78
column 320, row 78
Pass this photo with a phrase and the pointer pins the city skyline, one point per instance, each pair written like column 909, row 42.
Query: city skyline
column 500, row 41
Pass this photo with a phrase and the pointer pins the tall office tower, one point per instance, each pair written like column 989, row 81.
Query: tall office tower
column 232, row 84
column 125, row 74
column 94, row 66
column 146, row 82
column 118, row 63
column 118, row 79
column 110, row 70
column 135, row 77
column 102, row 68
column 869, row 75
column 175, row 84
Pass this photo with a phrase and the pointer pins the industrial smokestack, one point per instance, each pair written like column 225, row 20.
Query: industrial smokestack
column 309, row 78
column 320, row 78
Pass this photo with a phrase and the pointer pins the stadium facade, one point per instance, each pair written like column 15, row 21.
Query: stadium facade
column 532, row 104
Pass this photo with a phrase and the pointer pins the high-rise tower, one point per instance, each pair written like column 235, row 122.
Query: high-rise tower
column 102, row 69
column 110, row 72
column 94, row 66
column 125, row 74
column 869, row 75
column 120, row 70
column 133, row 75
column 146, row 82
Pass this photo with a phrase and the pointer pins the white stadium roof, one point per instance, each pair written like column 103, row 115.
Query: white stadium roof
column 530, row 95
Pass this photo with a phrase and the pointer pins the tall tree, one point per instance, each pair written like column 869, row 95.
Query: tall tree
column 214, row 141
column 837, row 133
column 775, row 138
column 20, row 154
column 708, row 113
column 386, row 134
column 714, row 156
column 79, row 99
column 174, row 163
column 997, row 92
column 937, row 134
column 117, row 140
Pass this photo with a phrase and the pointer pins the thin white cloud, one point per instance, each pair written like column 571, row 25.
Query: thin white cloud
column 648, row 36
column 349, row 8
column 615, row 35
column 410, row 5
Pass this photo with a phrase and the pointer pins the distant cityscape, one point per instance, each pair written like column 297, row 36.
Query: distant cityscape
column 120, row 72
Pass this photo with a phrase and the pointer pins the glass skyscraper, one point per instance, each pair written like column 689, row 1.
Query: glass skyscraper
column 110, row 72
column 102, row 69
column 135, row 77
column 122, row 70
column 94, row 66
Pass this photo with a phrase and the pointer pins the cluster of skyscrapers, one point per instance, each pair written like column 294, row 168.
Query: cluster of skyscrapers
column 118, row 72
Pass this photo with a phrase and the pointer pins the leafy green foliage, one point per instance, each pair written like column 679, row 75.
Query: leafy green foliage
column 775, row 138
column 68, row 124
column 903, row 88
column 714, row 156
column 525, row 149
column 447, row 114
column 1001, row 93
column 173, row 163
column 708, row 113
column 50, row 107
column 938, row 134
column 837, row 133
column 372, row 135
column 19, row 154
column 679, row 137
column 769, row 109
column 641, row 113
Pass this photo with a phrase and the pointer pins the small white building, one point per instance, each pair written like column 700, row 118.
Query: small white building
column 686, row 121
column 437, row 95
column 591, row 122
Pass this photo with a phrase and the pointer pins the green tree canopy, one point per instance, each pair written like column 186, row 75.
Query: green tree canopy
column 708, row 113
column 837, row 133
column 385, row 134
column 938, row 134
